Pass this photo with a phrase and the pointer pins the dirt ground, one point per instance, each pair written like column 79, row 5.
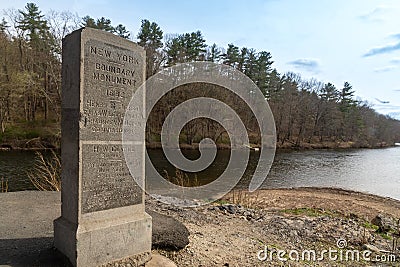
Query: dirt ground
column 237, row 230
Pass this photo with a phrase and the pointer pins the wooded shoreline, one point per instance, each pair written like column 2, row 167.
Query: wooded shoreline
column 36, row 145
column 308, row 113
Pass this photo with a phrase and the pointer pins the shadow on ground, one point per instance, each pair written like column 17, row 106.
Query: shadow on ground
column 31, row 252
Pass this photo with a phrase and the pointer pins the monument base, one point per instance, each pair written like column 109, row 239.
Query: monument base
column 105, row 242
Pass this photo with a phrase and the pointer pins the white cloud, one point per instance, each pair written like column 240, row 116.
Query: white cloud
column 395, row 61
column 311, row 65
column 376, row 15
column 383, row 49
column 385, row 69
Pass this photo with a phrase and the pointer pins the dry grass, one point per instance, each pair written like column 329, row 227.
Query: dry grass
column 243, row 198
column 182, row 179
column 46, row 173
column 4, row 185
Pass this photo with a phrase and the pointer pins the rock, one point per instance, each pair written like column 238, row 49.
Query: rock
column 159, row 261
column 177, row 202
column 228, row 208
column 384, row 223
column 354, row 217
column 231, row 209
column 168, row 233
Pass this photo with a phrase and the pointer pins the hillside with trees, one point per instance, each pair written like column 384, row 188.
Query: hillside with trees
column 307, row 112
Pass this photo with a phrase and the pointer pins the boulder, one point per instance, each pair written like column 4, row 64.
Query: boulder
column 384, row 223
column 168, row 233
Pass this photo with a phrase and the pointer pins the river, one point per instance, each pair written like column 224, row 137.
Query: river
column 374, row 171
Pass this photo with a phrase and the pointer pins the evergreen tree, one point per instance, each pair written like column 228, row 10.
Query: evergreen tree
column 3, row 26
column 33, row 23
column 150, row 37
column 104, row 24
column 262, row 71
column 329, row 93
column 121, row 31
column 88, row 21
column 242, row 58
column 195, row 46
column 250, row 64
column 186, row 48
column 274, row 86
column 346, row 97
column 231, row 56
column 101, row 24
column 213, row 53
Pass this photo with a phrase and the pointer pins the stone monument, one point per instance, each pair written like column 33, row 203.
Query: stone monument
column 103, row 219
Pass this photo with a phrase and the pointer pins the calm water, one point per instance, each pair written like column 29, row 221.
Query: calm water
column 375, row 171
column 13, row 168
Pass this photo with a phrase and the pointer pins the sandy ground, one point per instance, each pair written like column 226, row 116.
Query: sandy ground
column 230, row 232
column 286, row 219
column 344, row 201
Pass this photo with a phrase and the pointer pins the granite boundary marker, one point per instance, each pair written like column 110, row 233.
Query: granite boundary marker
column 103, row 219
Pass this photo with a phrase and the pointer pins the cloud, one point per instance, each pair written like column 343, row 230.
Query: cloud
column 395, row 36
column 310, row 65
column 386, row 49
column 385, row 69
column 386, row 107
column 391, row 110
column 395, row 61
column 374, row 15
column 382, row 50
column 395, row 115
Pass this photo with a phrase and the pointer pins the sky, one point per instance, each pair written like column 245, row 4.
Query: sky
column 357, row 41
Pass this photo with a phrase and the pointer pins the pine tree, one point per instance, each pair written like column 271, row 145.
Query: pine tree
column 101, row 24
column 250, row 65
column 121, row 31
column 329, row 93
column 262, row 70
column 104, row 24
column 186, row 48
column 89, row 22
column 231, row 56
column 33, row 22
column 346, row 97
column 242, row 58
column 213, row 53
column 150, row 37
column 3, row 26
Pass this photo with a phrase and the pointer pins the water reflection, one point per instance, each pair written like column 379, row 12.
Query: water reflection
column 369, row 170
column 13, row 168
column 375, row 171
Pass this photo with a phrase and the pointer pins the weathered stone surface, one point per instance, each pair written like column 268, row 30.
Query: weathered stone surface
column 107, row 182
column 103, row 217
column 160, row 261
column 168, row 233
